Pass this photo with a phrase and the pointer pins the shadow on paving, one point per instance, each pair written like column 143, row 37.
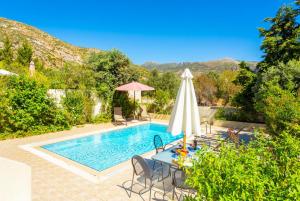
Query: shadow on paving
column 157, row 193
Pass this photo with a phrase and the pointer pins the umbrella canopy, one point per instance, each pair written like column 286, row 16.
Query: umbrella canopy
column 134, row 86
column 5, row 72
column 185, row 115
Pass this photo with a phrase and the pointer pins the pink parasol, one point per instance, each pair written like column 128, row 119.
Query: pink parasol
column 134, row 86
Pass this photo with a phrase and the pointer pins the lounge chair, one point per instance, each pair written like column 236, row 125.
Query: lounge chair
column 118, row 116
column 215, row 143
column 232, row 136
column 144, row 114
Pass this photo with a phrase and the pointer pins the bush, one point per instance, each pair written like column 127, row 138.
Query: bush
column 74, row 105
column 102, row 118
column 266, row 169
column 121, row 99
column 235, row 114
column 26, row 108
column 281, row 109
column 160, row 104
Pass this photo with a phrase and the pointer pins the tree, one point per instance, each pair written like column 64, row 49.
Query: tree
column 281, row 42
column 25, row 54
column 168, row 82
column 113, row 62
column 278, row 99
column 206, row 89
column 111, row 69
column 166, row 86
column 6, row 54
column 226, row 88
column 247, row 80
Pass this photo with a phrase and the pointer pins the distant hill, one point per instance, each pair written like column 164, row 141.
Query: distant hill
column 215, row 65
column 50, row 50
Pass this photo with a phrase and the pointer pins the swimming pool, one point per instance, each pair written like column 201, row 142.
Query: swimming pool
column 107, row 149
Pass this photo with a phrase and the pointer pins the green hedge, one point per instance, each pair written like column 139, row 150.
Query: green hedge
column 266, row 169
column 26, row 109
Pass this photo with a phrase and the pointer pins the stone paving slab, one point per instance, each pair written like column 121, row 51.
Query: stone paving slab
column 53, row 183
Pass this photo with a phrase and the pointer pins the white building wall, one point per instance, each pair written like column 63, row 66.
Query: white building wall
column 59, row 94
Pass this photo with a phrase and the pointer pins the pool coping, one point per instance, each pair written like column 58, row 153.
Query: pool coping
column 81, row 170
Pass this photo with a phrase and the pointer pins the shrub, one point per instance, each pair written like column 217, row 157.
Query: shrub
column 26, row 108
column 102, row 118
column 281, row 109
column 236, row 114
column 121, row 99
column 266, row 169
column 160, row 104
column 74, row 105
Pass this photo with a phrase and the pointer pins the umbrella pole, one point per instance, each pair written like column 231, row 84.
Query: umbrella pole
column 184, row 141
column 133, row 105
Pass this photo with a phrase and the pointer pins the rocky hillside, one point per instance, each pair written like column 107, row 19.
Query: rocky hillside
column 50, row 50
column 215, row 65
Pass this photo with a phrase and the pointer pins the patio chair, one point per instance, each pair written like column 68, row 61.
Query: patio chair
column 118, row 116
column 159, row 147
column 143, row 169
column 144, row 114
column 178, row 183
column 158, row 144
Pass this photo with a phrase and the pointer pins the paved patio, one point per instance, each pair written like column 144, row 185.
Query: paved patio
column 54, row 183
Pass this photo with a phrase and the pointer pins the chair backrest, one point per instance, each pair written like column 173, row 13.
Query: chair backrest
column 118, row 112
column 140, row 167
column 158, row 143
column 211, row 116
column 234, row 135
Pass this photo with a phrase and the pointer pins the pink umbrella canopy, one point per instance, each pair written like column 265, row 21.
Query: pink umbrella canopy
column 134, row 86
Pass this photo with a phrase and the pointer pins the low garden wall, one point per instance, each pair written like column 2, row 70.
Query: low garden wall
column 15, row 182
column 237, row 124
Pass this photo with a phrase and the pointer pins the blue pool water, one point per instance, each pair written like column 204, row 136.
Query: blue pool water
column 101, row 151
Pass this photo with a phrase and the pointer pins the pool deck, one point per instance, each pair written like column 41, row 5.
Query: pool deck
column 51, row 182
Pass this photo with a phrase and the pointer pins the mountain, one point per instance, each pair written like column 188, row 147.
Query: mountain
column 48, row 49
column 215, row 65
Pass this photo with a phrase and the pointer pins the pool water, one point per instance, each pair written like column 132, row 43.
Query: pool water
column 107, row 149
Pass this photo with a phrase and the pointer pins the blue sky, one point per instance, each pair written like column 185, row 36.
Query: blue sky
column 153, row 30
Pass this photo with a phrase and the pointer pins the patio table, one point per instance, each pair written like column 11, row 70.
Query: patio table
column 168, row 156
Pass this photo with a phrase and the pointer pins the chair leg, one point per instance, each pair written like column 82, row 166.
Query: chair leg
column 131, row 185
column 150, row 190
column 173, row 194
column 162, row 177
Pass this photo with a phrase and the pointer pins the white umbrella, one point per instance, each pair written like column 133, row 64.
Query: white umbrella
column 5, row 72
column 185, row 115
